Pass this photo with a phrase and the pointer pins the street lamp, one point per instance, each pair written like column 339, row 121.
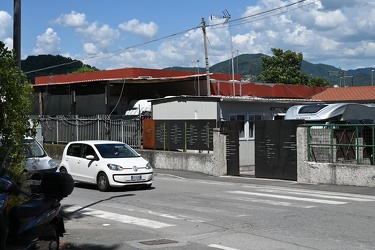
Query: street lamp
column 372, row 77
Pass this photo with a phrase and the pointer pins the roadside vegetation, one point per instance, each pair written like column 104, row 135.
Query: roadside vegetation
column 15, row 106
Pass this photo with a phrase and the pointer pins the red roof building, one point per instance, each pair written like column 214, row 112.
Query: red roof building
column 111, row 91
column 358, row 94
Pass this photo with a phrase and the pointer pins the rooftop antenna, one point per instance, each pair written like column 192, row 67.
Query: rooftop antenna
column 227, row 17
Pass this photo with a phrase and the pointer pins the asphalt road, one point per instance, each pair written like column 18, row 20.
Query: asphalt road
column 187, row 210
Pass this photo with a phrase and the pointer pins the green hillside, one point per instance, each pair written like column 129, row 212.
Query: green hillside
column 46, row 65
column 249, row 66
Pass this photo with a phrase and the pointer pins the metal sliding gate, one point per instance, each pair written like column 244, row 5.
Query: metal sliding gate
column 276, row 149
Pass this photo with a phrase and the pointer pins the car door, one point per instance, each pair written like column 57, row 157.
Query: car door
column 88, row 166
column 72, row 161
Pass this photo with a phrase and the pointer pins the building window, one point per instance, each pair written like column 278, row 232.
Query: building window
column 252, row 118
column 246, row 124
column 241, row 123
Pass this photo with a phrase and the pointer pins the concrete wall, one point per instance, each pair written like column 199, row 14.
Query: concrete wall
column 212, row 163
column 330, row 173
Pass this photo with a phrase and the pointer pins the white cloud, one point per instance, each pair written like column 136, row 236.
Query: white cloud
column 47, row 43
column 73, row 19
column 6, row 25
column 90, row 48
column 8, row 43
column 102, row 37
column 330, row 20
column 145, row 30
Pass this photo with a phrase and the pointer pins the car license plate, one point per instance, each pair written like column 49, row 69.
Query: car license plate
column 136, row 177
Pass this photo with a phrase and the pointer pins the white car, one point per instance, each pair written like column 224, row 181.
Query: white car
column 106, row 164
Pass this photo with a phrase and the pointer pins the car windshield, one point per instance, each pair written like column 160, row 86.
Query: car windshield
column 33, row 149
column 116, row 150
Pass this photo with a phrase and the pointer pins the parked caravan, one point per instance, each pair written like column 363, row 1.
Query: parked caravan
column 331, row 112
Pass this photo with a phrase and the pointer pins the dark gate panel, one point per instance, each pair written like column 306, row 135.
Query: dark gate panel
column 276, row 149
column 230, row 128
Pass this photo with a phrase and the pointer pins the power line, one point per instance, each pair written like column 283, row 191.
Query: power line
column 238, row 20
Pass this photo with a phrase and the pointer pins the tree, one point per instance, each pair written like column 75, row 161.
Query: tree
column 285, row 67
column 15, row 107
column 85, row 68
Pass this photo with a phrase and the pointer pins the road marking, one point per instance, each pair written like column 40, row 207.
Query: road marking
column 118, row 217
column 290, row 197
column 221, row 247
column 271, row 202
column 174, row 217
column 321, row 195
column 310, row 191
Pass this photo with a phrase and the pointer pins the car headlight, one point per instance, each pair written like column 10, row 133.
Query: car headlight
column 148, row 165
column 114, row 167
column 52, row 163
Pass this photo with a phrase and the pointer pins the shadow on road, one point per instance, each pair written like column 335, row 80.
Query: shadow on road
column 71, row 246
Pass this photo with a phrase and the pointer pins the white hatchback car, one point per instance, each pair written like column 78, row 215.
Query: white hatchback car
column 106, row 164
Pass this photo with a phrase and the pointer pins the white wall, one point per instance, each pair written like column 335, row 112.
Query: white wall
column 184, row 110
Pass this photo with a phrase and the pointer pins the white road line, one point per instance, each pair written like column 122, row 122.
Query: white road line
column 221, row 247
column 320, row 195
column 310, row 191
column 272, row 202
column 290, row 197
column 174, row 217
column 118, row 217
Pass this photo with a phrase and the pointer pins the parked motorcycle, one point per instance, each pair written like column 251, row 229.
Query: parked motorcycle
column 36, row 223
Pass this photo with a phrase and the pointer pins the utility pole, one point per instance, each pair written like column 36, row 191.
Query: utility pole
column 17, row 31
column 227, row 17
column 206, row 57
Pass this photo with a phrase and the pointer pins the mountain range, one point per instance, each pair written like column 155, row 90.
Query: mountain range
column 249, row 66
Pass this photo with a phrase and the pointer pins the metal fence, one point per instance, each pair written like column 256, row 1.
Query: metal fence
column 341, row 143
column 63, row 129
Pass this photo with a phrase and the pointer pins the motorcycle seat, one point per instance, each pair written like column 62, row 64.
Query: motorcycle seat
column 32, row 208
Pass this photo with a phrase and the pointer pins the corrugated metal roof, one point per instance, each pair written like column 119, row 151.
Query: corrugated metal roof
column 220, row 98
column 358, row 93
column 135, row 75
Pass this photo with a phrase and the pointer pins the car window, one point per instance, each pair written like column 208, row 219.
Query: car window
column 33, row 148
column 74, row 150
column 87, row 150
column 116, row 151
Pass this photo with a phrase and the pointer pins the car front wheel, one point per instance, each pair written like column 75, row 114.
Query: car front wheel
column 103, row 183
column 63, row 170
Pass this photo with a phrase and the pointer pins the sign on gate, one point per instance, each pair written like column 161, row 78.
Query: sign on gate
column 179, row 134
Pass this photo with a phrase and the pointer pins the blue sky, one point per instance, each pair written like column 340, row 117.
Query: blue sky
column 158, row 34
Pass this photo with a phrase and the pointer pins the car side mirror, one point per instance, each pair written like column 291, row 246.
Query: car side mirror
column 90, row 157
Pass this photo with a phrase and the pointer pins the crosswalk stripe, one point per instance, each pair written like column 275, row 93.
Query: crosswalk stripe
column 118, row 217
column 221, row 247
column 289, row 197
column 273, row 202
column 310, row 191
column 321, row 195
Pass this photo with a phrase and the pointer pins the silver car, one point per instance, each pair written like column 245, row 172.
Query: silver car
column 37, row 158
